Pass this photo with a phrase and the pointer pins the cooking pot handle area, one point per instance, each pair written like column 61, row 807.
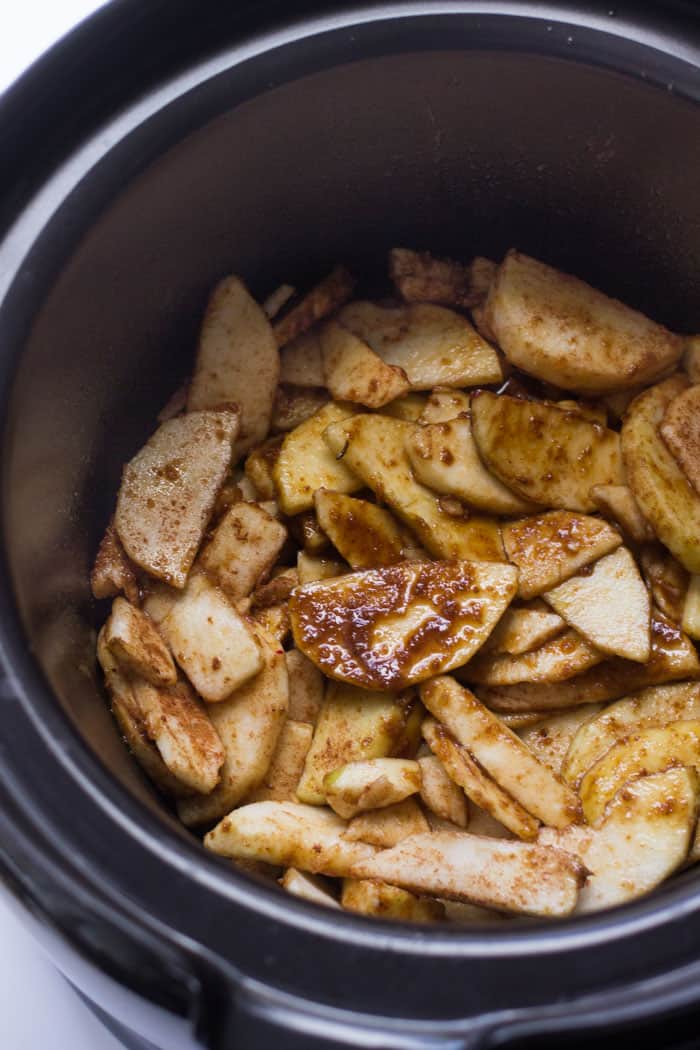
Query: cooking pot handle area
column 260, row 1022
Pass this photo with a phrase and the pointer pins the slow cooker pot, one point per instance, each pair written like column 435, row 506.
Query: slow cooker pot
column 158, row 147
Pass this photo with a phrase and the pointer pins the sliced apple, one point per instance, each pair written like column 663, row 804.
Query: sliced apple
column 373, row 447
column 145, row 751
column 648, row 751
column 617, row 504
column 366, row 535
column 211, row 642
column 353, row 372
column 286, row 765
column 445, row 404
column 433, row 345
column 550, row 738
column 112, row 572
column 289, row 834
column 522, row 629
column 249, row 724
column 673, row 658
column 323, row 299
column 132, row 638
column 389, row 628
column 235, row 331
column 445, row 458
column 658, row 705
column 552, row 547
column 311, row 568
column 385, row 827
column 353, row 724
column 421, row 277
column 308, row 887
column 559, row 329
column 680, row 429
column 665, row 495
column 259, row 466
column 666, row 579
column 373, row 897
column 370, row 784
column 440, row 794
column 410, row 407
column 293, row 405
column 168, row 492
column 476, row 783
column 300, row 361
column 545, row 454
column 691, row 609
column 643, row 837
column 608, row 605
column 306, row 686
column 501, row 753
column 514, row 877
column 558, row 659
column 305, row 463
column 244, row 547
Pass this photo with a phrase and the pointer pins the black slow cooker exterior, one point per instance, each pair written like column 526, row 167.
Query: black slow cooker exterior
column 166, row 143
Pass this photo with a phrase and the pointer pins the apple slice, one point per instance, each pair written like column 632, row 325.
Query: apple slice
column 516, row 877
column 389, row 628
column 550, row 548
column 286, row 765
column 444, row 457
column 666, row 579
column 476, row 782
column 168, row 492
column 550, row 737
column 306, row 686
column 680, row 429
column 617, row 504
column 373, row 448
column 440, row 794
column 353, row 724
column 609, row 605
column 434, row 346
column 353, row 372
column 293, row 405
column 235, row 331
column 445, row 404
column 558, row 328
column 420, row 277
column 112, row 572
column 249, row 724
column 301, row 363
column 244, row 547
column 132, row 638
column 305, row 463
column 366, row 535
column 648, row 751
column 291, row 835
column 673, row 658
column 373, row 897
column 323, row 299
column 370, row 784
column 501, row 753
column 558, row 659
column 543, row 453
column 665, row 495
column 522, row 629
column 656, row 706
column 308, row 887
column 643, row 838
column 385, row 827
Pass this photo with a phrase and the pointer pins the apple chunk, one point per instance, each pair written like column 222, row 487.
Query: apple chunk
column 235, row 331
column 522, row 629
column 643, row 838
column 609, row 605
column 305, row 464
column 665, row 495
column 243, row 549
column 366, row 535
column 353, row 372
column 389, row 628
column 558, row 659
column 373, row 897
column 433, row 345
column 421, row 277
column 516, row 877
column 387, row 826
column 371, row 784
column 132, row 638
column 543, row 453
column 559, row 329
column 168, row 492
column 680, row 430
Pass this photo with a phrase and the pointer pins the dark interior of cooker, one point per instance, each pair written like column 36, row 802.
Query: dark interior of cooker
column 460, row 152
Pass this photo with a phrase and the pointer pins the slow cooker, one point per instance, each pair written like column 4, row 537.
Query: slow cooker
column 159, row 146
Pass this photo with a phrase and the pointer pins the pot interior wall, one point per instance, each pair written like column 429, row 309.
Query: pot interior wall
column 460, row 152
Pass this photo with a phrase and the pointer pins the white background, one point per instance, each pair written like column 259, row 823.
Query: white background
column 38, row 1010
